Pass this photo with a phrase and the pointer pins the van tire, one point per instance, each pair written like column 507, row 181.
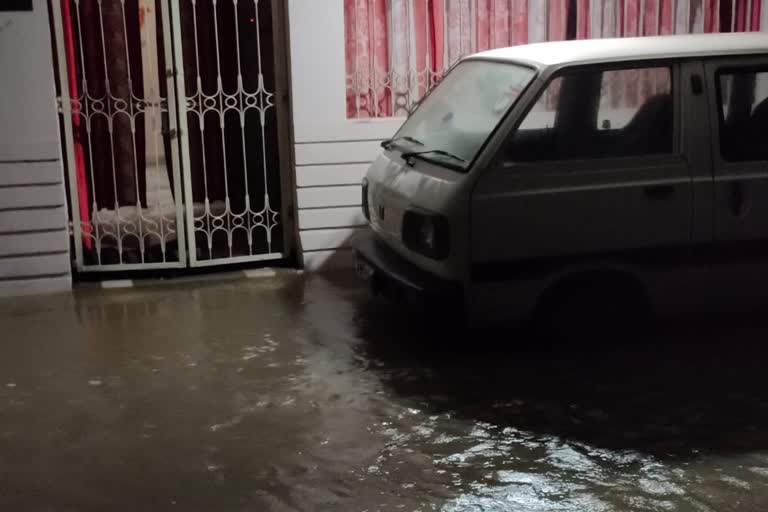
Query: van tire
column 593, row 307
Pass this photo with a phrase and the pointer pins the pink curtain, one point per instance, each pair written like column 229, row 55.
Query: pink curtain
column 397, row 49
column 711, row 15
column 458, row 29
column 757, row 13
column 667, row 8
column 737, row 16
column 501, row 23
column 424, row 39
column 434, row 10
column 558, row 20
column 582, row 19
column 367, row 58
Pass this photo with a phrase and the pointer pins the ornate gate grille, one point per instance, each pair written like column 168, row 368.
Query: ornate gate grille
column 170, row 126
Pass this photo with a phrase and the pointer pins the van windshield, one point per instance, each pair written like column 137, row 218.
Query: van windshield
column 453, row 121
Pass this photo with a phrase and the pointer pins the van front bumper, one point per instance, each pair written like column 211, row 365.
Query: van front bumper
column 392, row 276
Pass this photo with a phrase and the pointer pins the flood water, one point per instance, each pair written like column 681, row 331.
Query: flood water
column 298, row 393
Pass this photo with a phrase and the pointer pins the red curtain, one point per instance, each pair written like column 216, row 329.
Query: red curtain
column 79, row 155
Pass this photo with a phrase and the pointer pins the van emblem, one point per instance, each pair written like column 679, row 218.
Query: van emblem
column 380, row 211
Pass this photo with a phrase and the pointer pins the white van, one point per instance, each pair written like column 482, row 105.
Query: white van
column 623, row 169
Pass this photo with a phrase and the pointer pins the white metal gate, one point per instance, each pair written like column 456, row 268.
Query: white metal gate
column 171, row 131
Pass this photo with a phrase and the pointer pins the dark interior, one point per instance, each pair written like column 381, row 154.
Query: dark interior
column 744, row 133
column 576, row 135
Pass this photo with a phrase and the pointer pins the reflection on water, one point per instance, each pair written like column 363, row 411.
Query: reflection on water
column 300, row 394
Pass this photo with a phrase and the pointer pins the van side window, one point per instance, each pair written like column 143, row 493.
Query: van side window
column 598, row 114
column 743, row 111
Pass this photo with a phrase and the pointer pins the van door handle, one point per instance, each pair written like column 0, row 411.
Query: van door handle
column 659, row 192
column 736, row 198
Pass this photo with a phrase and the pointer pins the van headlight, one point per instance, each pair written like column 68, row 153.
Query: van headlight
column 426, row 233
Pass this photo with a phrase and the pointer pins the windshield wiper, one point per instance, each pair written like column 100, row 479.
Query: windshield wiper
column 407, row 156
column 386, row 144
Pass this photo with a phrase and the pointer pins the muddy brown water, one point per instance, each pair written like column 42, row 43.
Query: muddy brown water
column 299, row 393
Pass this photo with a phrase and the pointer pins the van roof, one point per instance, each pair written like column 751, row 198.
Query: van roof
column 586, row 51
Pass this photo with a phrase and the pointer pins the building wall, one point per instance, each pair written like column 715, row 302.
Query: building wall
column 332, row 153
column 34, row 246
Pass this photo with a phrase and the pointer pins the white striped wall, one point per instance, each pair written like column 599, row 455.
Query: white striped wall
column 328, row 176
column 34, row 244
column 332, row 153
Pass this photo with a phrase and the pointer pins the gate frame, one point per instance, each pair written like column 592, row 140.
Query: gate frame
column 286, row 170
column 180, row 157
column 65, row 100
column 283, row 105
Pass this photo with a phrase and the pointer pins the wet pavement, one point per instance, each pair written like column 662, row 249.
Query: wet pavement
column 298, row 393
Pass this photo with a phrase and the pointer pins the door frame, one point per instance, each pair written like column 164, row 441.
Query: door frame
column 169, row 24
column 283, row 106
column 697, row 133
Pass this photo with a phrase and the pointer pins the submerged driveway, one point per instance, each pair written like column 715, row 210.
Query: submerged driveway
column 298, row 393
